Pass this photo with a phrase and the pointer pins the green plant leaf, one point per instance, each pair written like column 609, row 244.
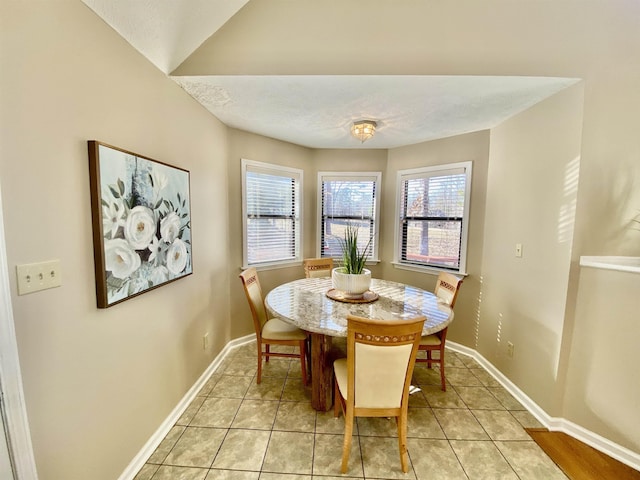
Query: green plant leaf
column 353, row 260
column 114, row 192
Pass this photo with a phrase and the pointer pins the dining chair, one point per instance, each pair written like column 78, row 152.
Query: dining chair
column 447, row 288
column 272, row 331
column 317, row 267
column 374, row 379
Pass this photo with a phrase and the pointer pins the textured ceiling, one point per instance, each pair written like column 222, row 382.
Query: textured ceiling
column 317, row 110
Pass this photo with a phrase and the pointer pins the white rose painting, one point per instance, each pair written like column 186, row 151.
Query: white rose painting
column 141, row 220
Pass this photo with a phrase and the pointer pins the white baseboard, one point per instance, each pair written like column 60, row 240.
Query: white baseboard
column 620, row 453
column 147, row 450
column 604, row 445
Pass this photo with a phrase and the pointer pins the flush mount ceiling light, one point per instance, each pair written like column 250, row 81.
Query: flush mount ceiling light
column 363, row 129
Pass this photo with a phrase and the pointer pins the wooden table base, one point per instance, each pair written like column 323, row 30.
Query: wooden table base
column 321, row 372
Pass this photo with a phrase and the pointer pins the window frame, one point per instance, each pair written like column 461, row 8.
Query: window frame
column 350, row 176
column 273, row 169
column 424, row 172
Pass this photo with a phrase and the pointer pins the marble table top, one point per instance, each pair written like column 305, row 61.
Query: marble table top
column 304, row 303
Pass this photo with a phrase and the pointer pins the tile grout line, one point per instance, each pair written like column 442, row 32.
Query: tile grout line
column 464, row 470
column 281, row 401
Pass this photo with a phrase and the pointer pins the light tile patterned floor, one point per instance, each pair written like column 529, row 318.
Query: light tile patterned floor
column 238, row 430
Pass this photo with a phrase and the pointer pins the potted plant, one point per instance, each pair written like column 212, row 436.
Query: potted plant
column 352, row 278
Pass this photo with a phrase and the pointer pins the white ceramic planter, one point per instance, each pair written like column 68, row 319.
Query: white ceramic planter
column 353, row 286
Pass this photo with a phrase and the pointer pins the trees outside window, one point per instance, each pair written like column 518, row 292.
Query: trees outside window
column 433, row 214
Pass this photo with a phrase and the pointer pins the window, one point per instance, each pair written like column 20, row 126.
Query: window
column 271, row 205
column 348, row 198
column 433, row 215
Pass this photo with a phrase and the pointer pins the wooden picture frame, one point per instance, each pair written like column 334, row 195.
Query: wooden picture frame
column 141, row 218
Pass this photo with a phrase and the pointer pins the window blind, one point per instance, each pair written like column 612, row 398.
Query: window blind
column 348, row 200
column 432, row 217
column 272, row 215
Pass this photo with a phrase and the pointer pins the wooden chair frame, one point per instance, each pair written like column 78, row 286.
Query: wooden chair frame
column 379, row 333
column 253, row 291
column 317, row 267
column 447, row 288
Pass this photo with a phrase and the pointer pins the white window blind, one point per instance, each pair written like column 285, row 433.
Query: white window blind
column 433, row 216
column 271, row 207
column 348, row 198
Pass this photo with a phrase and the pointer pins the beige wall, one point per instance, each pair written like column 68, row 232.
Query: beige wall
column 495, row 37
column 66, row 77
column 261, row 149
column 98, row 383
column 602, row 390
column 348, row 160
column 471, row 147
column 531, row 194
column 256, row 147
column 456, row 149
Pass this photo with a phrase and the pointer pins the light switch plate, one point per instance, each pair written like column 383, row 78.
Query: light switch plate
column 33, row 277
column 518, row 250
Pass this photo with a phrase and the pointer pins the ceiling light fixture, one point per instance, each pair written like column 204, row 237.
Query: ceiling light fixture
column 363, row 129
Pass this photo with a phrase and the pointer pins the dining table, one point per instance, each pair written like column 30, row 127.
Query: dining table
column 314, row 306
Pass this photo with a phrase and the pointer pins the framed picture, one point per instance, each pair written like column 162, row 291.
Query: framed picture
column 141, row 223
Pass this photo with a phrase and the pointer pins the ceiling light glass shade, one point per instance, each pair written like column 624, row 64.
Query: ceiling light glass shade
column 364, row 129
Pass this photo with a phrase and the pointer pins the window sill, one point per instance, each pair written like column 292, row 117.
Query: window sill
column 274, row 266
column 428, row 270
column 337, row 261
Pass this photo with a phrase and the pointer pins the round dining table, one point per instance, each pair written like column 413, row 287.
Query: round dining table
column 312, row 305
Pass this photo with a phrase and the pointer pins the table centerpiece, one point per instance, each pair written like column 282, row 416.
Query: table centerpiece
column 352, row 279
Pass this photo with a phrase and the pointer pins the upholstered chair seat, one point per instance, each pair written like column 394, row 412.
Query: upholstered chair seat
column 272, row 331
column 276, row 329
column 374, row 379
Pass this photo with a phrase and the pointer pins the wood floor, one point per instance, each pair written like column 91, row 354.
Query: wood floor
column 580, row 461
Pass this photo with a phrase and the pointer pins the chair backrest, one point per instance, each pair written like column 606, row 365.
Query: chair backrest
column 253, row 291
column 447, row 288
column 318, row 267
column 381, row 355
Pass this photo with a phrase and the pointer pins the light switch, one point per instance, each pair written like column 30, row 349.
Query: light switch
column 518, row 250
column 33, row 277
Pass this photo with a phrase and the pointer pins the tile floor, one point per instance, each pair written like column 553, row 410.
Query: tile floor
column 238, row 430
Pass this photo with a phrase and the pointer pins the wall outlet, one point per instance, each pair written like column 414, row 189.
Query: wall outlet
column 510, row 349
column 33, row 277
column 205, row 341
